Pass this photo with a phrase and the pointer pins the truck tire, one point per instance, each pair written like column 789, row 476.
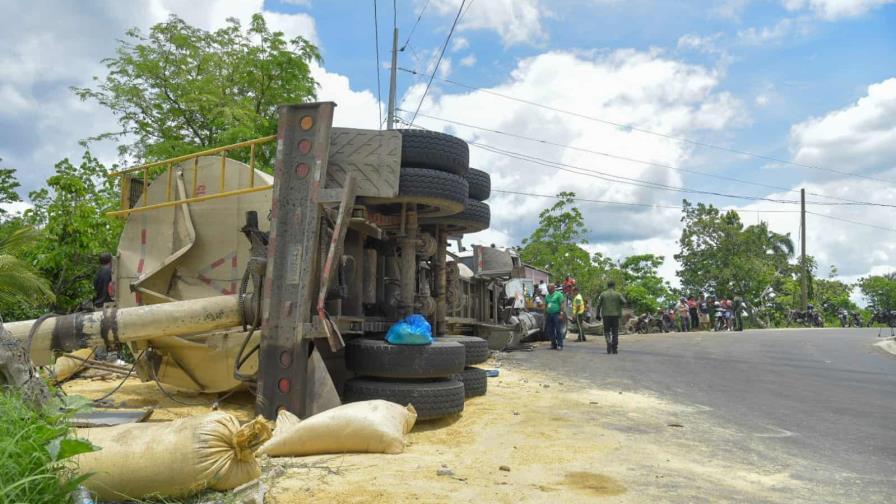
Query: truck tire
column 379, row 359
column 480, row 184
column 475, row 217
column 436, row 192
column 431, row 399
column 434, row 150
column 476, row 348
column 475, row 381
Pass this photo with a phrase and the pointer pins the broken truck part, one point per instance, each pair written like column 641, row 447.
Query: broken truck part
column 227, row 277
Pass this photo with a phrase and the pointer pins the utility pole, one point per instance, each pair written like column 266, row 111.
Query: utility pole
column 804, row 281
column 390, row 121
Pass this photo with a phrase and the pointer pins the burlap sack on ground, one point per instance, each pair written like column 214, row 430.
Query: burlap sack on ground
column 65, row 367
column 173, row 458
column 362, row 427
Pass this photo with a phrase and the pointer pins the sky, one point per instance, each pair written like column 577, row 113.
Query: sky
column 755, row 99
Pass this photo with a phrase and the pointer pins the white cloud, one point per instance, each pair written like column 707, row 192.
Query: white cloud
column 625, row 86
column 445, row 68
column 702, row 43
column 300, row 3
column 468, row 60
column 730, row 9
column 515, row 21
column 832, row 10
column 459, row 44
column 41, row 121
column 859, row 137
column 772, row 34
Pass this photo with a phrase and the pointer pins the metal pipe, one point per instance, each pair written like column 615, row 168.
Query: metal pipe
column 441, row 281
column 188, row 157
column 90, row 329
column 247, row 190
column 408, row 263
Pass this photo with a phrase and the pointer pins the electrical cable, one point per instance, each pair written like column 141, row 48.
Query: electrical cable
column 627, row 203
column 439, row 61
column 655, row 133
column 638, row 182
column 379, row 92
column 858, row 223
column 413, row 28
column 123, row 380
column 652, row 163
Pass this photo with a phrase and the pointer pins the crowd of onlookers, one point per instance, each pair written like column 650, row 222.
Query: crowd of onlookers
column 708, row 313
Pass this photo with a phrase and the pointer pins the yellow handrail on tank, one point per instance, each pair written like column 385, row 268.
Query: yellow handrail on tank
column 169, row 163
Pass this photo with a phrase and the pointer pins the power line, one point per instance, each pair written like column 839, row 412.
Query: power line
column 628, row 203
column 379, row 93
column 608, row 176
column 619, row 178
column 411, row 34
column 655, row 133
column 649, row 163
column 858, row 223
column 640, row 182
column 439, row 61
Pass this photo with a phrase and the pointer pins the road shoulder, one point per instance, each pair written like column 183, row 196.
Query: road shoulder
column 888, row 345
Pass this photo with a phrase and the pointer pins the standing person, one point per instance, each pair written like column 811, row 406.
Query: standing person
column 738, row 306
column 609, row 309
column 711, row 309
column 553, row 315
column 729, row 314
column 703, row 309
column 578, row 311
column 543, row 289
column 692, row 311
column 684, row 314
column 102, row 281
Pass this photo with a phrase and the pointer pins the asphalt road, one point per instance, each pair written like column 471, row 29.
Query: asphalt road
column 826, row 396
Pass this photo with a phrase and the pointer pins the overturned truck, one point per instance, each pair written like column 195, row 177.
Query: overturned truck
column 229, row 278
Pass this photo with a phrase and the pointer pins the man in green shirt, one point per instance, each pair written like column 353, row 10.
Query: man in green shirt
column 609, row 308
column 553, row 315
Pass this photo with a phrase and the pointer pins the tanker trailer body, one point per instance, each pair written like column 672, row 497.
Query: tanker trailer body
column 347, row 237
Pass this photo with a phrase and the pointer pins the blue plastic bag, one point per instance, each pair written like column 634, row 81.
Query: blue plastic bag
column 411, row 330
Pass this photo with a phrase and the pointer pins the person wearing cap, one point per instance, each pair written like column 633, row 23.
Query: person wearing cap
column 609, row 309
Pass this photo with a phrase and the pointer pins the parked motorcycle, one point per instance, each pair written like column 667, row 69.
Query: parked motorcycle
column 843, row 317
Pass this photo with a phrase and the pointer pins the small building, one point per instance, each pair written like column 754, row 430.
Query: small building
column 537, row 275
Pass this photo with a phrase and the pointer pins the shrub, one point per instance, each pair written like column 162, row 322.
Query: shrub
column 36, row 449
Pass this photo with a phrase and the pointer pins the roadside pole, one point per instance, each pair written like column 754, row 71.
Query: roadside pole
column 391, row 112
column 804, row 280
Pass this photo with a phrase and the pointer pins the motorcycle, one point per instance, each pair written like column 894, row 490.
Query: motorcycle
column 668, row 321
column 721, row 323
column 843, row 316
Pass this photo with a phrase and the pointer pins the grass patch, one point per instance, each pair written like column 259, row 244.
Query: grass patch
column 35, row 454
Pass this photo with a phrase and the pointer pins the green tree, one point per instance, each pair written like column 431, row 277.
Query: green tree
column 21, row 286
column 880, row 291
column 721, row 256
column 8, row 190
column 179, row 88
column 556, row 244
column 641, row 284
column 70, row 213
